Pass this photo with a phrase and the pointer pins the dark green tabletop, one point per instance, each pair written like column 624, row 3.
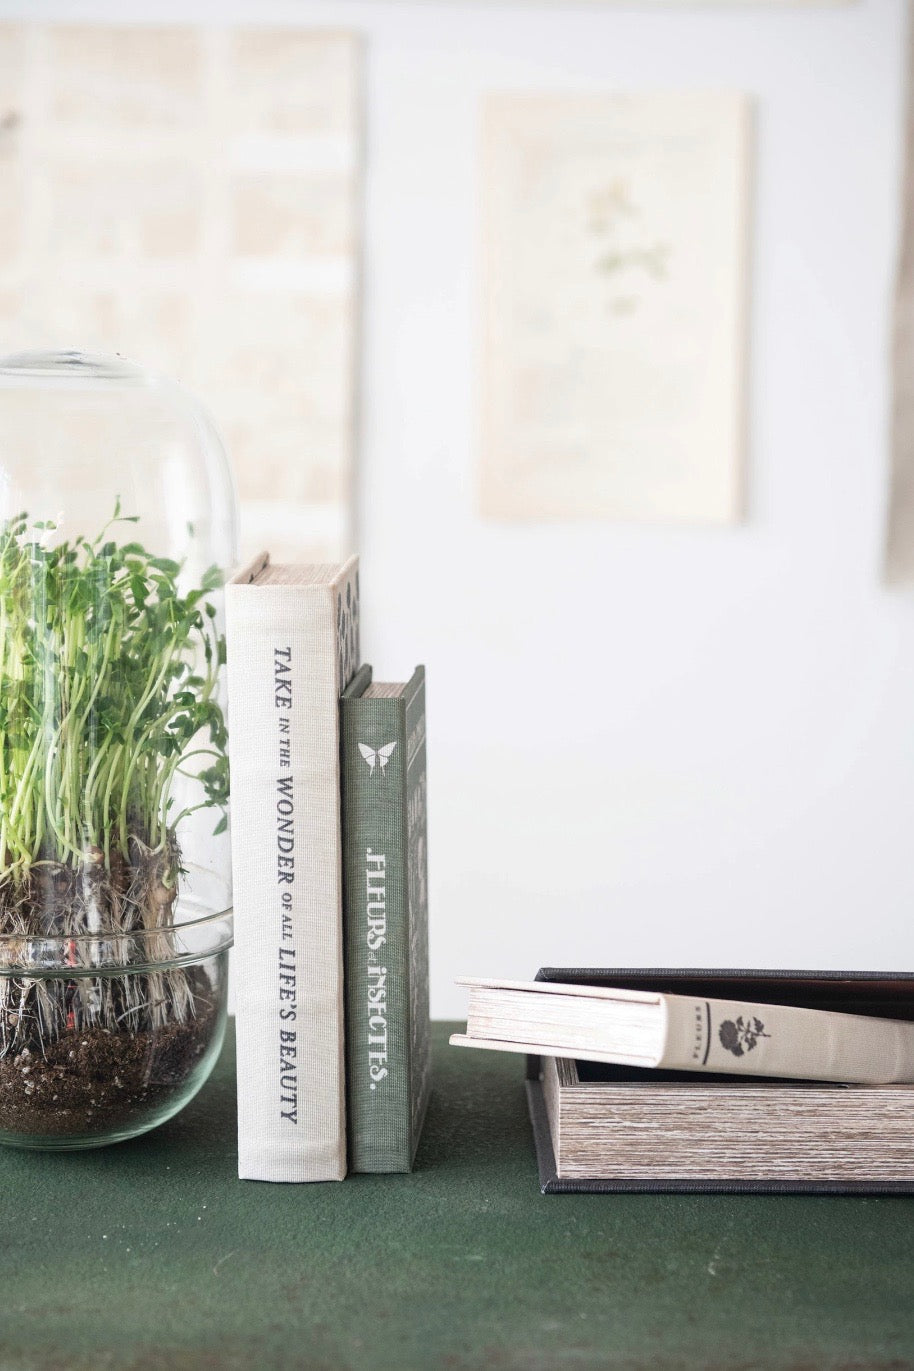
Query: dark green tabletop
column 152, row 1255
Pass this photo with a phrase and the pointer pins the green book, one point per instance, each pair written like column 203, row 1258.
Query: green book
column 385, row 913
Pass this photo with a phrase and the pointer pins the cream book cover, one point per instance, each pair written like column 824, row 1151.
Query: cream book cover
column 293, row 645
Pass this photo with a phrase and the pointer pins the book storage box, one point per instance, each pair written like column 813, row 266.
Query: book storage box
column 610, row 1128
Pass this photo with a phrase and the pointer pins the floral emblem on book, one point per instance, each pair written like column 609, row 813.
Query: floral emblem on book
column 740, row 1035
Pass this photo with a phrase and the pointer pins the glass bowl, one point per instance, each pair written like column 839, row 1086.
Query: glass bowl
column 105, row 1037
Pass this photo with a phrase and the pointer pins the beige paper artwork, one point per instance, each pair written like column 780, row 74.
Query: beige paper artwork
column 615, row 280
column 189, row 197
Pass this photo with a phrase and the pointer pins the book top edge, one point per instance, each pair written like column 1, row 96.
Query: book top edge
column 261, row 572
column 597, row 992
column 392, row 690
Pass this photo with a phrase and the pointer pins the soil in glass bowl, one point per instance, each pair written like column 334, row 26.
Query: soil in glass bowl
column 92, row 1084
column 105, row 1034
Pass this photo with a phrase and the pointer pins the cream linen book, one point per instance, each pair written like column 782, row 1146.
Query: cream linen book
column 292, row 636
column 686, row 1032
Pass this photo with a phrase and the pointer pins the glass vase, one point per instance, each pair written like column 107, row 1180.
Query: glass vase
column 117, row 526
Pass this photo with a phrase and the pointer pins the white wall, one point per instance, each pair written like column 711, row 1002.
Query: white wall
column 647, row 745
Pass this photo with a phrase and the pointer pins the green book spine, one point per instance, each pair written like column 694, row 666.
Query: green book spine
column 385, row 904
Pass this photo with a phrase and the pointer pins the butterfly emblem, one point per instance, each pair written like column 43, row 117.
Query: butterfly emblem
column 377, row 756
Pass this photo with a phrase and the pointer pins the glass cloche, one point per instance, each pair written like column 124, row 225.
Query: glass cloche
column 117, row 527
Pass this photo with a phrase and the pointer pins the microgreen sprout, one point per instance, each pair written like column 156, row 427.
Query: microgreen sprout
column 108, row 693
